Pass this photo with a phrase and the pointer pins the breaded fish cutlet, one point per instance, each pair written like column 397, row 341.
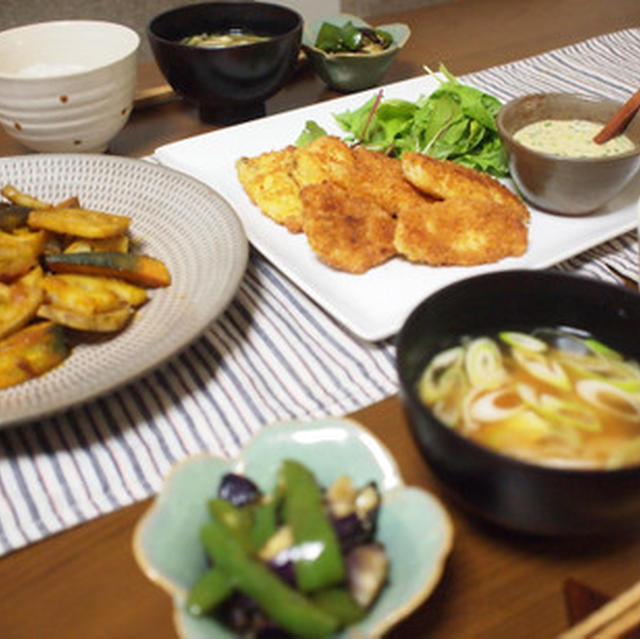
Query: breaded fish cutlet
column 443, row 179
column 380, row 178
column 460, row 231
column 273, row 179
column 267, row 180
column 346, row 231
column 327, row 157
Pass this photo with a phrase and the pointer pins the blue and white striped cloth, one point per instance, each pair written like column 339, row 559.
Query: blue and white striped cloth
column 273, row 355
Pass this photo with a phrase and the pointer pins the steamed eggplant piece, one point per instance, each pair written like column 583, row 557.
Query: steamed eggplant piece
column 367, row 572
column 270, row 631
column 238, row 489
column 354, row 512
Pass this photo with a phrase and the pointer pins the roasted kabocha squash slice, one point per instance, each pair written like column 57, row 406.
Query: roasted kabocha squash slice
column 19, row 253
column 23, row 199
column 141, row 270
column 12, row 216
column 118, row 244
column 18, row 305
column 107, row 322
column 79, row 222
column 90, row 294
column 30, row 352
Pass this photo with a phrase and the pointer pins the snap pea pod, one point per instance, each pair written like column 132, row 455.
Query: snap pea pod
column 339, row 603
column 209, row 592
column 240, row 520
column 320, row 564
column 288, row 608
column 265, row 522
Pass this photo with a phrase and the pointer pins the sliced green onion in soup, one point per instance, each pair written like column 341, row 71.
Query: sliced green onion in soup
column 494, row 406
column 610, row 398
column 483, row 363
column 624, row 375
column 602, row 349
column 434, row 383
column 524, row 341
column 559, row 411
column 543, row 368
column 449, row 406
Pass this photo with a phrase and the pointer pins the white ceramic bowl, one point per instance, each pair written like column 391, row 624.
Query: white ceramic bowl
column 67, row 85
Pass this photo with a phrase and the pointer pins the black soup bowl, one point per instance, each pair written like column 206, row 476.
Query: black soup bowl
column 531, row 498
column 229, row 84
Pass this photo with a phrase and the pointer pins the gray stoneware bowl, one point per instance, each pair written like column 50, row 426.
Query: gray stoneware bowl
column 570, row 186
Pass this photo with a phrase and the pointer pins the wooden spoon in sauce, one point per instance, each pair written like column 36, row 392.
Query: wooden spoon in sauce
column 619, row 121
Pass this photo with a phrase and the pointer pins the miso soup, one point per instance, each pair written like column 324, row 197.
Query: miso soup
column 550, row 396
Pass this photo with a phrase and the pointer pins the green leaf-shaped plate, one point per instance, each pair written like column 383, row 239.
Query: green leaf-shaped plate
column 352, row 71
column 412, row 524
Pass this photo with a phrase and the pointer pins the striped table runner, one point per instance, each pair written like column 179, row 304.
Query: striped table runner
column 273, row 355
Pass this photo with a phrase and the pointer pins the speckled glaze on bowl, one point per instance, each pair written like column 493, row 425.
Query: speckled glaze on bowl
column 67, row 85
column 348, row 72
column 512, row 493
column 570, row 186
column 412, row 524
column 230, row 84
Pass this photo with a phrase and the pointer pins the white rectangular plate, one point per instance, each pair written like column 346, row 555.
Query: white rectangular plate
column 375, row 304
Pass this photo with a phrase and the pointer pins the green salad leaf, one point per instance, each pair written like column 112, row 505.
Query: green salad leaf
column 312, row 131
column 456, row 122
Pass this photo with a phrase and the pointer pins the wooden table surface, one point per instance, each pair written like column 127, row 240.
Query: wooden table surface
column 497, row 585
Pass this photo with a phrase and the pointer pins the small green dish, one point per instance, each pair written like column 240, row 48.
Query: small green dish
column 413, row 525
column 348, row 72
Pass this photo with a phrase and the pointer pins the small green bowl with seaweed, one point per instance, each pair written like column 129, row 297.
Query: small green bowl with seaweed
column 349, row 54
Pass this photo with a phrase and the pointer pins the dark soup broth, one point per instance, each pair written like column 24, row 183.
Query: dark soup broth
column 550, row 396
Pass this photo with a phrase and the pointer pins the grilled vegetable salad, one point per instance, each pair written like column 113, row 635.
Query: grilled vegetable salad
column 298, row 562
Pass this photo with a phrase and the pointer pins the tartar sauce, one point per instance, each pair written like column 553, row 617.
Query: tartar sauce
column 570, row 138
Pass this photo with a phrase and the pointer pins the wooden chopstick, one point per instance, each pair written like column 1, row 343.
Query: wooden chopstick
column 620, row 120
column 153, row 95
column 610, row 621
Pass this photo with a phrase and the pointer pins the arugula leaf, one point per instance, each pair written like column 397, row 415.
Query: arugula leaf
column 312, row 131
column 456, row 122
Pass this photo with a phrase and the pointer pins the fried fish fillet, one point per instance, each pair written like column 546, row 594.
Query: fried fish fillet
column 273, row 179
column 380, row 178
column 444, row 179
column 268, row 181
column 347, row 231
column 460, row 231
column 327, row 156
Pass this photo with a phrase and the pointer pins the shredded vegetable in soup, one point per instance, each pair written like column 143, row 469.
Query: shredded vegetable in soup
column 231, row 38
column 552, row 396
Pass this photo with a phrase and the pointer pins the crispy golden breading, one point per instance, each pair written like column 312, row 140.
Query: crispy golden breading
column 345, row 230
column 460, row 231
column 327, row 157
column 380, row 178
column 346, row 200
column 443, row 179
column 268, row 181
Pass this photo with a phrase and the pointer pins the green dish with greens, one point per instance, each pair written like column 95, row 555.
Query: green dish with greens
column 294, row 462
column 349, row 54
